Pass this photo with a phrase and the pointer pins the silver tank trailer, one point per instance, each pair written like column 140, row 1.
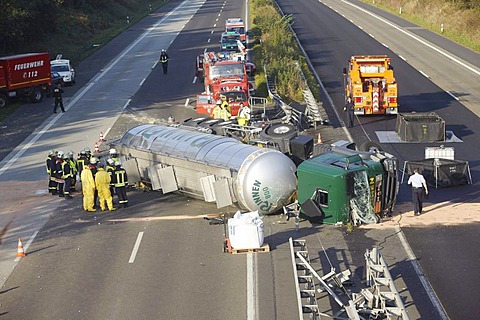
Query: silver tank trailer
column 260, row 179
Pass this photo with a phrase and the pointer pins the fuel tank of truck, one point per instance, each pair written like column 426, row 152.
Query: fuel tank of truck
column 256, row 178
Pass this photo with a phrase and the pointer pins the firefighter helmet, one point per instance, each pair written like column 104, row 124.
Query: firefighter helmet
column 87, row 150
column 94, row 160
column 60, row 154
column 113, row 151
column 110, row 161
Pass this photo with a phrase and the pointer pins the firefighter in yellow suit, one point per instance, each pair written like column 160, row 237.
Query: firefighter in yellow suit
column 88, row 189
column 102, row 182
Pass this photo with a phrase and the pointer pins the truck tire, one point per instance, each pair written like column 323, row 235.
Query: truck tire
column 279, row 130
column 370, row 146
column 37, row 95
column 3, row 100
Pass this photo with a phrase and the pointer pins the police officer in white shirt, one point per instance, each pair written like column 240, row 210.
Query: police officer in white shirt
column 418, row 183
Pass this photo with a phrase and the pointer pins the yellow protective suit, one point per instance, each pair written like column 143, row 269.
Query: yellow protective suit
column 102, row 182
column 88, row 189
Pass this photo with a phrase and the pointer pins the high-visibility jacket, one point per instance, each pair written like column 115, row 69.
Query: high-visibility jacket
column 66, row 170
column 81, row 162
column 73, row 166
column 164, row 57
column 110, row 170
column 119, row 177
column 50, row 165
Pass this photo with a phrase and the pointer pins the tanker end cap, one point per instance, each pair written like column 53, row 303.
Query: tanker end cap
column 266, row 181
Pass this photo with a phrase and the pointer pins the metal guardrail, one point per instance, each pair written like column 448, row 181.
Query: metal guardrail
column 379, row 300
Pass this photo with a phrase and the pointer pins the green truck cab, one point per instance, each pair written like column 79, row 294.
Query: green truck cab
column 340, row 185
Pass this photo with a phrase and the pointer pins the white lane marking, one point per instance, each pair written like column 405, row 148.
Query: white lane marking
column 126, row 104
column 401, row 57
column 424, row 74
column 106, row 132
column 385, row 45
column 211, row 32
column 135, row 247
column 215, row 25
column 371, row 35
column 82, row 92
column 187, row 102
column 154, row 65
column 208, row 41
column 27, row 245
column 141, row 82
column 360, row 27
column 452, row 95
column 194, row 79
column 423, row 279
column 251, row 287
column 411, row 35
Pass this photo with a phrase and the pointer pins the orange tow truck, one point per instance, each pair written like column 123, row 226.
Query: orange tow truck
column 370, row 82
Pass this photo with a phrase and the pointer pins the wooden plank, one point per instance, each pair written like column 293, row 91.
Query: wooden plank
column 264, row 248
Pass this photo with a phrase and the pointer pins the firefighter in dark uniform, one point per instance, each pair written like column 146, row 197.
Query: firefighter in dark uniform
column 57, row 94
column 67, row 177
column 82, row 161
column 73, row 170
column 110, row 168
column 349, row 110
column 164, row 61
column 52, row 183
column 58, row 173
column 120, row 182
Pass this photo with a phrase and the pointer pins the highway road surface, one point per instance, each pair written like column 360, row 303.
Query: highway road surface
column 159, row 258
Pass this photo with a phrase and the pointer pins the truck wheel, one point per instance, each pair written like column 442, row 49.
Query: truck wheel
column 37, row 95
column 279, row 130
column 3, row 101
column 370, row 146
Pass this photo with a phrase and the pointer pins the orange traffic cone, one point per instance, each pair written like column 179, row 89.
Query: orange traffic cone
column 102, row 138
column 20, row 251
column 319, row 139
column 97, row 148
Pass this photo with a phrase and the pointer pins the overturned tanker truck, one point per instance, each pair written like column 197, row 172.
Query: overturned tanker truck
column 208, row 167
column 337, row 185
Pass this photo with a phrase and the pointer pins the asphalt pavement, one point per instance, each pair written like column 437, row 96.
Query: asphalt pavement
column 79, row 267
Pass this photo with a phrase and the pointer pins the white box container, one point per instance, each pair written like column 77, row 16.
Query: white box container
column 245, row 230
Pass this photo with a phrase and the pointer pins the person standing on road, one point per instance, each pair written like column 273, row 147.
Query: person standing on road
column 52, row 184
column 88, row 189
column 164, row 60
column 120, row 182
column 102, row 182
column 349, row 110
column 418, row 184
column 57, row 94
column 109, row 168
column 73, row 170
column 66, row 177
column 93, row 168
column 58, row 173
